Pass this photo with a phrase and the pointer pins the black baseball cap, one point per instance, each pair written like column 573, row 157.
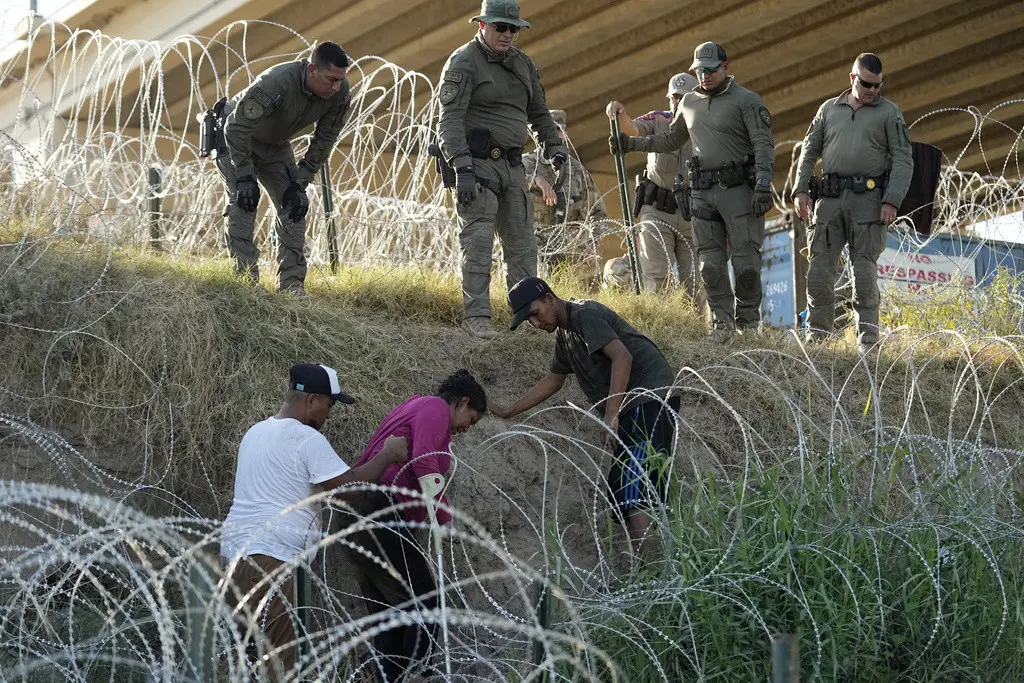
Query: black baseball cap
column 318, row 379
column 524, row 293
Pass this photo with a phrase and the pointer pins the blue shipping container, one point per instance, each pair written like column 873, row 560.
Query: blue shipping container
column 983, row 257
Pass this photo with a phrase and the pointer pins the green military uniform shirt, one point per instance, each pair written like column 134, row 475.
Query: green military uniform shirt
column 274, row 109
column 578, row 350
column 726, row 124
column 869, row 142
column 499, row 93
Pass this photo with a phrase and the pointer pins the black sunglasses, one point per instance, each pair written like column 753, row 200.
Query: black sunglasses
column 701, row 70
column 865, row 84
column 502, row 27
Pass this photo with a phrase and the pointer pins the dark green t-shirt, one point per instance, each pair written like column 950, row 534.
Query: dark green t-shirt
column 591, row 326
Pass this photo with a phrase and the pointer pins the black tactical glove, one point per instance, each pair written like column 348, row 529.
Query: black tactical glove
column 761, row 202
column 622, row 143
column 558, row 159
column 295, row 202
column 248, row 195
column 465, row 186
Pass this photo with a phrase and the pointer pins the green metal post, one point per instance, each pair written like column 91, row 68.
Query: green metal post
column 627, row 211
column 785, row 659
column 332, row 228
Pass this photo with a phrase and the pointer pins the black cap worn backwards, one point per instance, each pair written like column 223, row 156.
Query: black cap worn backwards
column 318, row 379
column 524, row 293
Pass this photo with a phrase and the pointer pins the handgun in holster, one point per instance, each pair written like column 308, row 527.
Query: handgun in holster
column 681, row 193
column 211, row 131
column 638, row 194
column 442, row 167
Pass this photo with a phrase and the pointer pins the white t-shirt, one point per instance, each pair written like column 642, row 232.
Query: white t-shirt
column 278, row 462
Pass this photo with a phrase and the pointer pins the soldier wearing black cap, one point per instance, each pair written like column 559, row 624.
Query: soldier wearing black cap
column 625, row 376
column 730, row 184
column 280, row 460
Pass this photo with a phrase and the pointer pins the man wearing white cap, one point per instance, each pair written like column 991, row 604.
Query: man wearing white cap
column 280, row 460
column 666, row 236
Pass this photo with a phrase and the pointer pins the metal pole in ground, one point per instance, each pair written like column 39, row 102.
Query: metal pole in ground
column 155, row 187
column 785, row 659
column 200, row 626
column 544, row 621
column 627, row 212
column 302, row 591
column 332, row 228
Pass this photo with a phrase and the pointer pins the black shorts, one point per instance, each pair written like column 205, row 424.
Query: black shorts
column 646, row 431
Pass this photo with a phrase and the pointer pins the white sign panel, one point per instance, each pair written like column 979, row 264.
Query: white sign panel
column 914, row 271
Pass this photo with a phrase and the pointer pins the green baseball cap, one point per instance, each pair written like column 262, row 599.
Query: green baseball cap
column 500, row 12
column 708, row 55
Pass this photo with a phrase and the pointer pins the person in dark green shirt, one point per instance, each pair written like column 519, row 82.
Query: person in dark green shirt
column 626, row 378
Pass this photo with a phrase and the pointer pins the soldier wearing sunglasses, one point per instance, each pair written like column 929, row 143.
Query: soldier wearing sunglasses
column 866, row 164
column 730, row 180
column 490, row 98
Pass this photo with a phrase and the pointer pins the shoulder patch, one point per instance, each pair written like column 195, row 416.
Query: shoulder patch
column 261, row 96
column 449, row 91
column 765, row 116
column 252, row 109
column 651, row 115
column 453, row 76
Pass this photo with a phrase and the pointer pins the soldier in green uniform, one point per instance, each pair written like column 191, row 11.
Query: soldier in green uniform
column 563, row 216
column 866, row 165
column 666, row 236
column 490, row 96
column 730, row 179
column 259, row 124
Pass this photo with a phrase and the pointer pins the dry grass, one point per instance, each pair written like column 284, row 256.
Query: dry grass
column 155, row 366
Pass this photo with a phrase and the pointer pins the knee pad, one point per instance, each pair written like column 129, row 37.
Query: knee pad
column 711, row 274
column 747, row 279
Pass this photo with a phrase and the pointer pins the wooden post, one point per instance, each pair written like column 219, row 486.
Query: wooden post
column 332, row 228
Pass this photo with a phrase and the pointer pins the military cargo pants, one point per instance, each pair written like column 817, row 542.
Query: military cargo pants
column 723, row 220
column 665, row 239
column 275, row 169
column 853, row 219
column 509, row 213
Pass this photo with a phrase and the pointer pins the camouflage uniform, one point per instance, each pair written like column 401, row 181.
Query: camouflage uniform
column 872, row 142
column 728, row 124
column 499, row 93
column 259, row 124
column 583, row 204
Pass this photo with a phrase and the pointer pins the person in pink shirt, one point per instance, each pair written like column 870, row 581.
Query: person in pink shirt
column 386, row 547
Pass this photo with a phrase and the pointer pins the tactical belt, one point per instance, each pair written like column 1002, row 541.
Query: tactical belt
column 732, row 174
column 650, row 193
column 514, row 155
column 831, row 185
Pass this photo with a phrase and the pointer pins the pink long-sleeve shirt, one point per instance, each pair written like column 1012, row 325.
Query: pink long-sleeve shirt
column 425, row 422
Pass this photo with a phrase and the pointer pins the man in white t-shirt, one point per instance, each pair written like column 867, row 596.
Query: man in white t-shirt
column 280, row 460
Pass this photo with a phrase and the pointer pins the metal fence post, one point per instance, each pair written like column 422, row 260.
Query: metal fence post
column 544, row 619
column 155, row 187
column 332, row 228
column 200, row 628
column 785, row 659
